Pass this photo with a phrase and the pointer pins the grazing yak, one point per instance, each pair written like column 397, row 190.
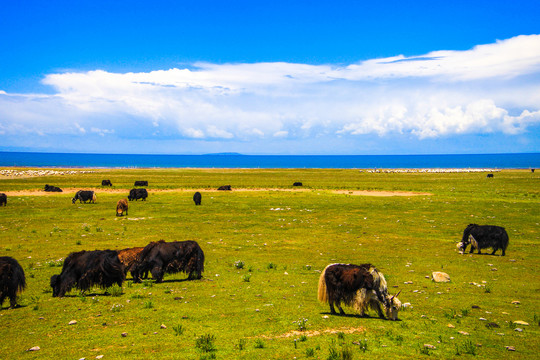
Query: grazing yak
column 361, row 286
column 169, row 257
column 85, row 269
column 12, row 280
column 489, row 175
column 297, row 184
column 128, row 257
column 3, row 199
column 141, row 183
column 225, row 187
column 197, row 198
column 136, row 194
column 50, row 188
column 121, row 206
column 84, row 196
column 484, row 236
column 106, row 183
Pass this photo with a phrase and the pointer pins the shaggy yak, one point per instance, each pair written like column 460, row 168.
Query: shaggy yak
column 141, row 183
column 121, row 206
column 297, row 184
column 136, row 194
column 84, row 196
column 85, row 269
column 197, row 198
column 169, row 257
column 106, row 183
column 225, row 187
column 50, row 188
column 3, row 199
column 484, row 236
column 12, row 280
column 361, row 286
column 128, row 257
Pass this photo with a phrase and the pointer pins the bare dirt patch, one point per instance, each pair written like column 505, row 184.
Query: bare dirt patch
column 70, row 191
column 296, row 333
column 380, row 193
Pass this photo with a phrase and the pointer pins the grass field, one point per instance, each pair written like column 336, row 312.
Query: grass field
column 265, row 244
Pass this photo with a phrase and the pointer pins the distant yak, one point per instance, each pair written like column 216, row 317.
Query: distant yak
column 163, row 257
column 50, row 188
column 121, row 206
column 225, row 187
column 3, row 199
column 106, row 183
column 85, row 269
column 197, row 198
column 141, row 183
column 84, row 196
column 489, row 175
column 297, row 184
column 484, row 236
column 136, row 194
column 12, row 280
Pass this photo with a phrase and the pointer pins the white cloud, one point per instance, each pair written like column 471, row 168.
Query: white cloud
column 488, row 89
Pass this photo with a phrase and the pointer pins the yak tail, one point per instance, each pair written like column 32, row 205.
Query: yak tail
column 94, row 197
column 322, row 295
column 379, row 285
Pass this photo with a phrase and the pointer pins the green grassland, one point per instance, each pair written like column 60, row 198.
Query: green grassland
column 264, row 252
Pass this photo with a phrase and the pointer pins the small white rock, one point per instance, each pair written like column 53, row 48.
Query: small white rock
column 72, row 322
column 35, row 348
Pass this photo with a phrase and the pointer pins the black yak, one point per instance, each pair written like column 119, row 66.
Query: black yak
column 489, row 175
column 141, row 183
column 106, row 183
column 128, row 257
column 85, row 269
column 484, row 236
column 121, row 206
column 84, row 196
column 361, row 286
column 225, row 187
column 297, row 184
column 50, row 188
column 3, row 199
column 197, row 198
column 136, row 194
column 12, row 280
column 170, row 257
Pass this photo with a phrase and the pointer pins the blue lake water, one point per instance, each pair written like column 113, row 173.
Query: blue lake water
column 495, row 161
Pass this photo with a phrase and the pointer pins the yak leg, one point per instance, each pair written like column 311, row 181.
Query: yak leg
column 157, row 274
column 341, row 312
column 13, row 301
column 379, row 310
column 502, row 251
column 332, row 310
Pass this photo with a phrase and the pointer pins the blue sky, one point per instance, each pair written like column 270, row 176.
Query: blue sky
column 279, row 77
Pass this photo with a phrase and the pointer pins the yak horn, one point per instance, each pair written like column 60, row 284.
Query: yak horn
column 399, row 292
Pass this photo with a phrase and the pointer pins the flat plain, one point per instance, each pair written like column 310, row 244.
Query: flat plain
column 265, row 244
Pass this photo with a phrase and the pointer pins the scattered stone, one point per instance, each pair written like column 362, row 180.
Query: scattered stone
column 72, row 322
column 35, row 348
column 257, row 310
column 439, row 276
column 429, row 346
column 99, row 357
column 406, row 305
column 521, row 322
column 463, row 333
column 163, row 326
column 518, row 329
column 505, row 313
column 516, row 302
column 510, row 348
column 124, row 334
column 427, row 276
column 423, row 316
column 408, row 282
column 451, row 326
column 500, row 334
column 482, row 319
column 41, row 318
column 493, row 269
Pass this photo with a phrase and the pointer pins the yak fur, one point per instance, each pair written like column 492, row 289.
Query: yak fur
column 170, row 257
column 85, row 269
column 12, row 280
column 484, row 236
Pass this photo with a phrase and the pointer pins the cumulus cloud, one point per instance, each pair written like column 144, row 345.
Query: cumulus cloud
column 484, row 90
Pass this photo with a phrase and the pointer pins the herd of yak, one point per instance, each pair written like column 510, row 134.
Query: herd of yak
column 360, row 286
